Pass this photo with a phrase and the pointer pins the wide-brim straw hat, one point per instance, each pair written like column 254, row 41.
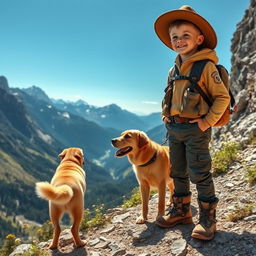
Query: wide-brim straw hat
column 186, row 13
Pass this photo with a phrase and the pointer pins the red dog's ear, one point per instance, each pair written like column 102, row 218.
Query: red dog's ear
column 62, row 154
column 143, row 139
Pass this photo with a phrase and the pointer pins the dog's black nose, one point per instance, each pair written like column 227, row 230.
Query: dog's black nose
column 113, row 141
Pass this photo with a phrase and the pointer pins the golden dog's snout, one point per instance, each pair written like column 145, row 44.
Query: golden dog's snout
column 113, row 141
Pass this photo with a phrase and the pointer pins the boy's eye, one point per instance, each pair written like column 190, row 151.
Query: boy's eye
column 174, row 39
column 183, row 37
column 186, row 36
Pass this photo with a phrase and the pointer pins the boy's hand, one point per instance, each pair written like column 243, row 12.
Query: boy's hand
column 166, row 120
column 202, row 124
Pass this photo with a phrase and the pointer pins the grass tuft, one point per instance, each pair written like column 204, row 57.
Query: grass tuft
column 9, row 245
column 98, row 219
column 250, row 174
column 240, row 212
column 135, row 198
column 223, row 158
column 45, row 232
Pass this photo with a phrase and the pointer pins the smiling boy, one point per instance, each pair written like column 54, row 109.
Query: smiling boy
column 185, row 38
column 189, row 118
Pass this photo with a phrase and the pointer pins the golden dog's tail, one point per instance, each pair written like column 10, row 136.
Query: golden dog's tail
column 59, row 195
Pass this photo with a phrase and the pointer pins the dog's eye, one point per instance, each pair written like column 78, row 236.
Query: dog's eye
column 127, row 136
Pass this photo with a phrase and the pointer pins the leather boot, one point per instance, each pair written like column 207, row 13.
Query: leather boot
column 206, row 227
column 180, row 213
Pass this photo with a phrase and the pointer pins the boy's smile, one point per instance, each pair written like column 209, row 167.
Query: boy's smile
column 185, row 39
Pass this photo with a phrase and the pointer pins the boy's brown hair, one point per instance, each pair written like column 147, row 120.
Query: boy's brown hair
column 178, row 23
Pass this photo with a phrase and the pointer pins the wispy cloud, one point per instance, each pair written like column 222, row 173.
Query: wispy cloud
column 150, row 102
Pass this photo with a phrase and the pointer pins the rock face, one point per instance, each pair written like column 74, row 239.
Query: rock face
column 4, row 83
column 243, row 79
column 37, row 93
column 243, row 75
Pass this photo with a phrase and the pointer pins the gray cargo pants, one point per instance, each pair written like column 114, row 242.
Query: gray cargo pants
column 191, row 160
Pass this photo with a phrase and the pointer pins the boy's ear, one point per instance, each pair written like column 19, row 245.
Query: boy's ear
column 200, row 39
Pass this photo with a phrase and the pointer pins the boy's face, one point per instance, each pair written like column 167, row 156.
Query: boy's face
column 185, row 39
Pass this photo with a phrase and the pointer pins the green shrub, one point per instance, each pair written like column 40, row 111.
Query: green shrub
column 134, row 200
column 97, row 219
column 10, row 243
column 45, row 232
column 222, row 159
column 251, row 139
column 250, row 174
column 36, row 251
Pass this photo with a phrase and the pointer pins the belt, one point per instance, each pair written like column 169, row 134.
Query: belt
column 180, row 119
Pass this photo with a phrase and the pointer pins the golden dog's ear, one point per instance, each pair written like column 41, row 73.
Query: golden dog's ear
column 63, row 153
column 80, row 156
column 143, row 139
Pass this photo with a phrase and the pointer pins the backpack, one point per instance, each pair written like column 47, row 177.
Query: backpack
column 194, row 77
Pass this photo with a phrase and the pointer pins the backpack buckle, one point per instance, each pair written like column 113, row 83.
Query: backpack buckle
column 194, row 78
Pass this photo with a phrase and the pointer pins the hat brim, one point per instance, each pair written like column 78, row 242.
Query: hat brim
column 163, row 22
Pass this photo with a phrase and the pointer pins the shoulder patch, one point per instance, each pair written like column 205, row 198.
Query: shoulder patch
column 216, row 77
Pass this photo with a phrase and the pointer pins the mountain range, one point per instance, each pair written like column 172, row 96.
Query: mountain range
column 110, row 116
column 87, row 126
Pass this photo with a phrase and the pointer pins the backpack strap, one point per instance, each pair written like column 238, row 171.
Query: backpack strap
column 197, row 69
column 194, row 77
column 171, row 77
column 176, row 70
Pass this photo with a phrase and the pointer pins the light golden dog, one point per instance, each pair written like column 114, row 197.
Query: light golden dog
column 66, row 193
column 151, row 166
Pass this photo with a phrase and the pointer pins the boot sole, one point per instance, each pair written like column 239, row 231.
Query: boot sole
column 201, row 237
column 170, row 225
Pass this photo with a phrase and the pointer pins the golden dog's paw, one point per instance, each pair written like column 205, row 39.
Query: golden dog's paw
column 141, row 220
column 81, row 243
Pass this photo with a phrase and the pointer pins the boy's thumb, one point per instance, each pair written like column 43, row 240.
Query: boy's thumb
column 194, row 121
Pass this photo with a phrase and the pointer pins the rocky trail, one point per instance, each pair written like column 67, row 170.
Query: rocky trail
column 121, row 236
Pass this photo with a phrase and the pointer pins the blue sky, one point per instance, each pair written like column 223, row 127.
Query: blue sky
column 102, row 51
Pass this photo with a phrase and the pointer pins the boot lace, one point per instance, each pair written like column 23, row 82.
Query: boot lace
column 178, row 209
